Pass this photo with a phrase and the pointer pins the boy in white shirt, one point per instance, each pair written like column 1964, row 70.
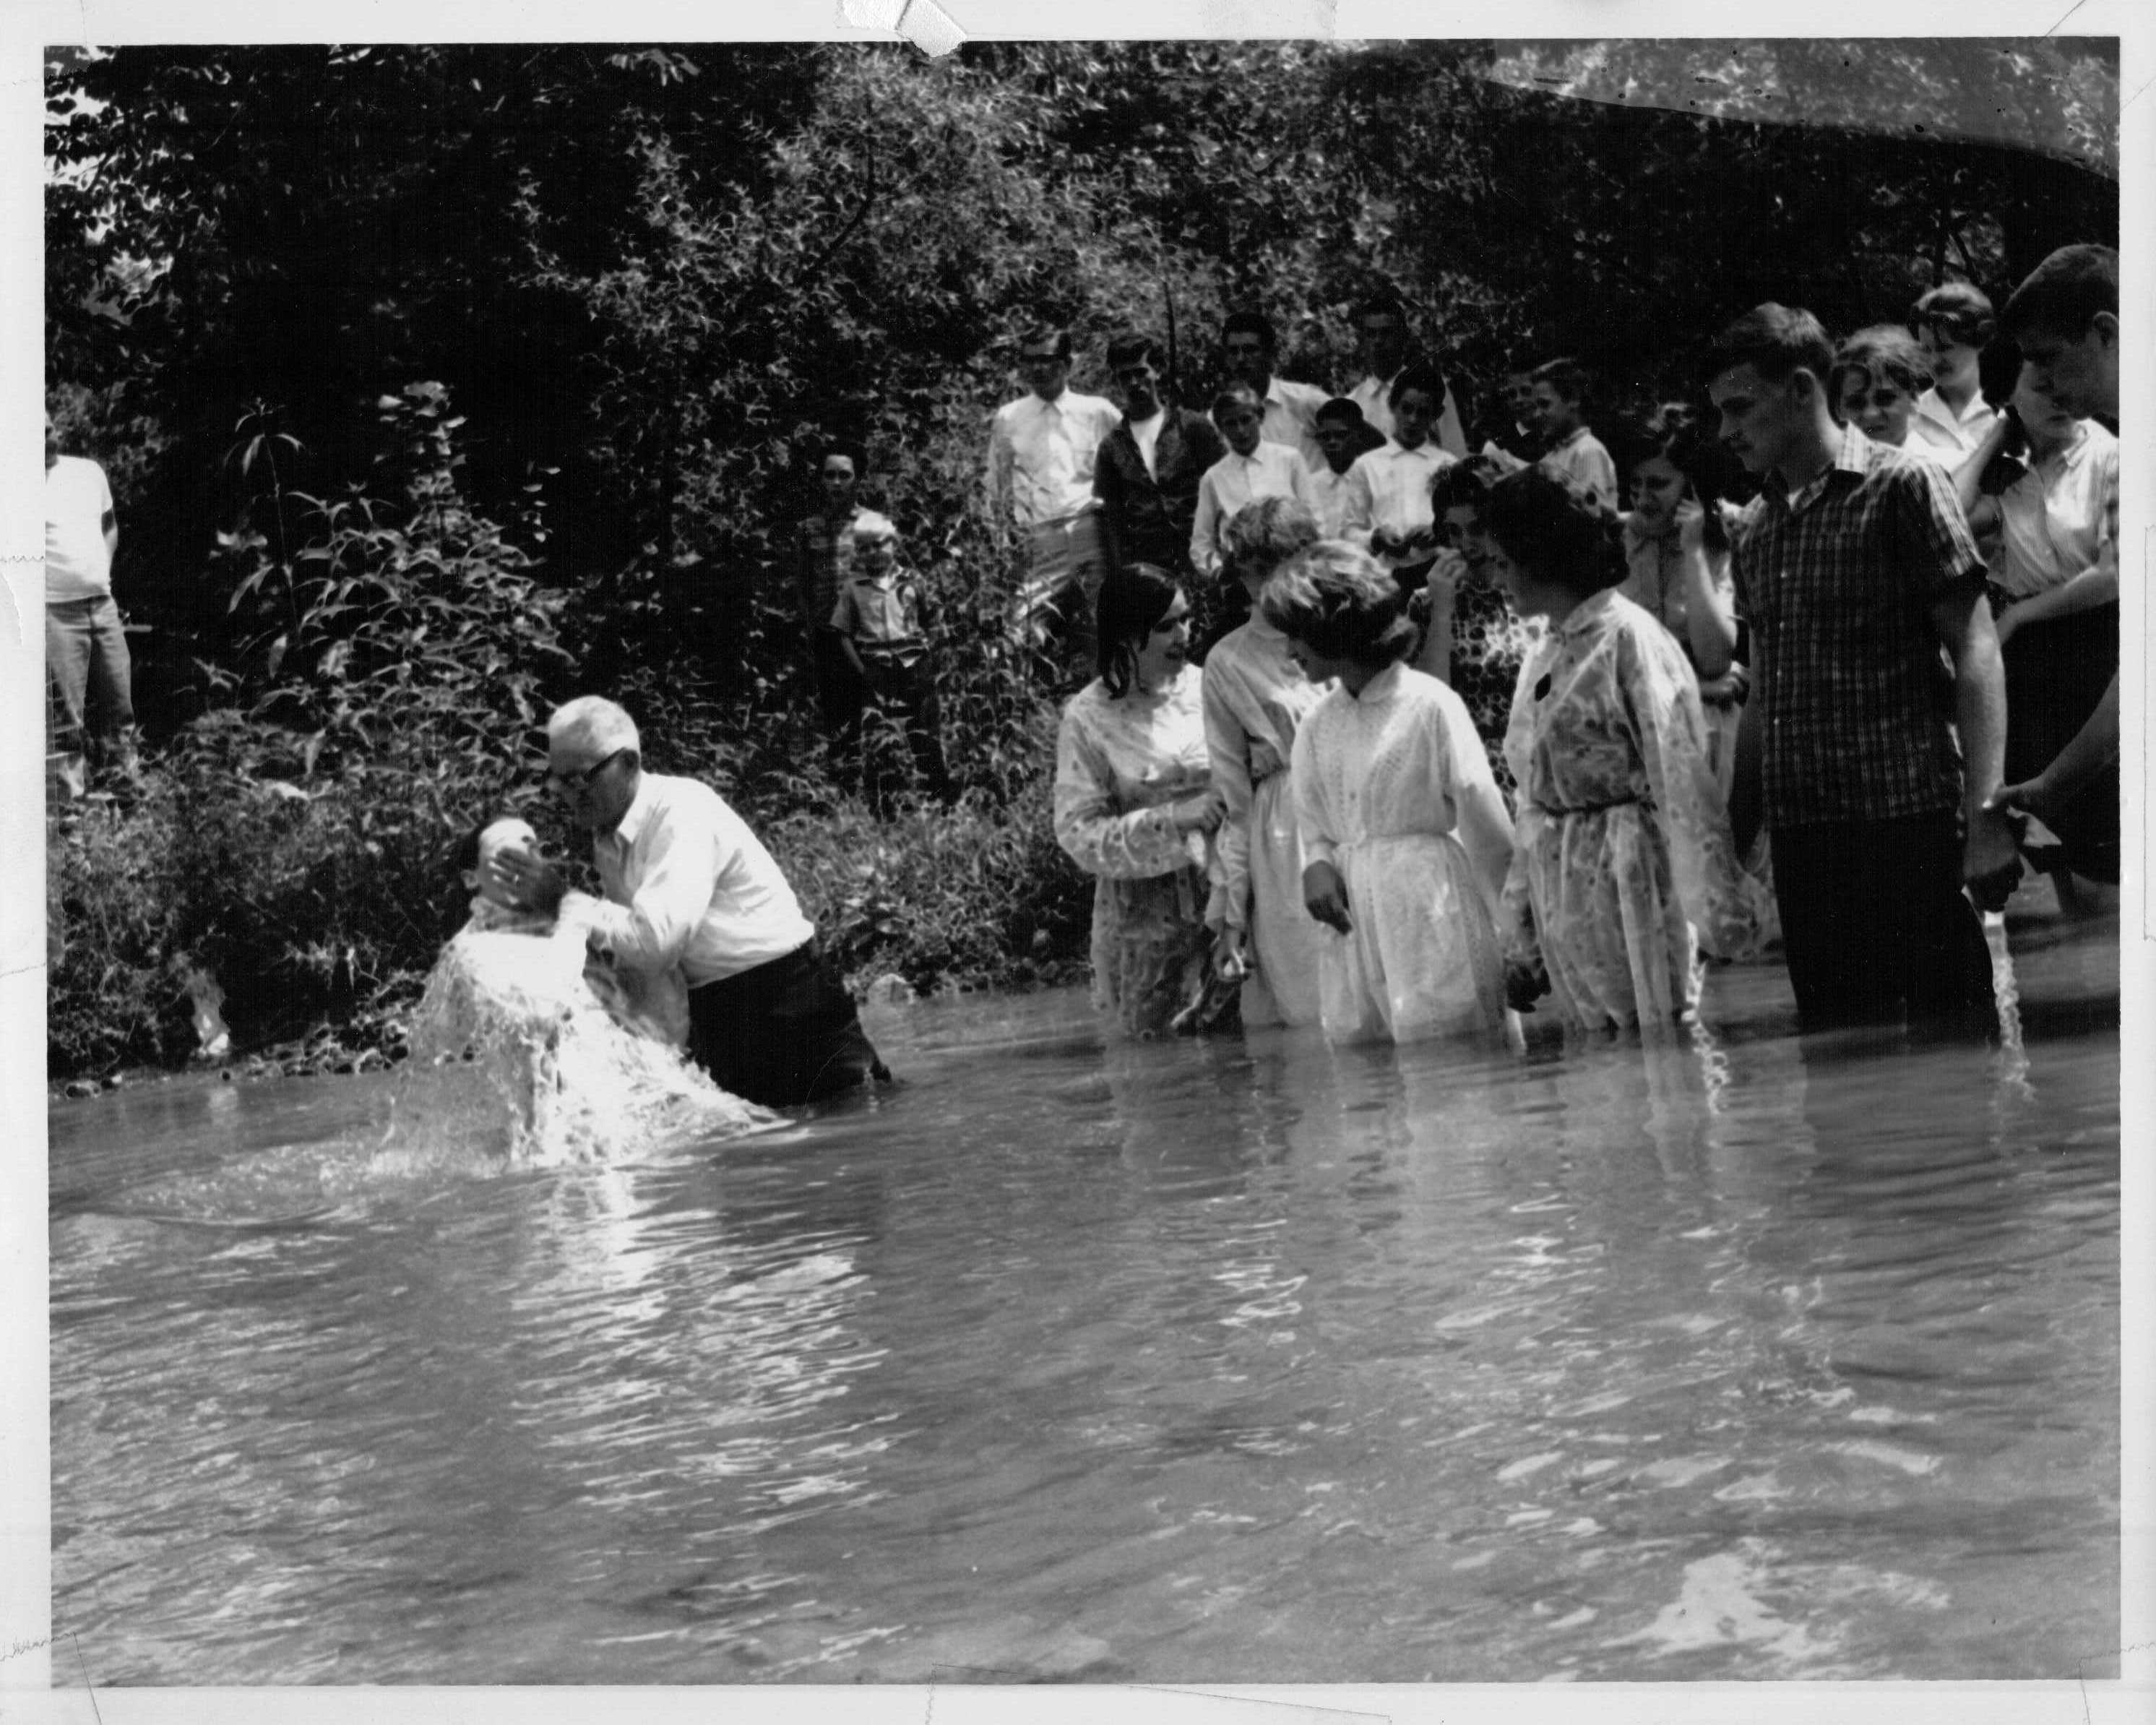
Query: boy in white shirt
column 1344, row 433
column 1388, row 504
column 1573, row 452
column 1878, row 374
column 1251, row 469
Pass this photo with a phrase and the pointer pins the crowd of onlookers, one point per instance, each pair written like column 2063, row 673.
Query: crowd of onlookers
column 1467, row 738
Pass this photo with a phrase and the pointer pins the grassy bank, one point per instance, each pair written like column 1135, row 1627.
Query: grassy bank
column 318, row 904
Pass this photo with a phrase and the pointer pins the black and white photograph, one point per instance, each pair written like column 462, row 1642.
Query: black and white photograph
column 918, row 859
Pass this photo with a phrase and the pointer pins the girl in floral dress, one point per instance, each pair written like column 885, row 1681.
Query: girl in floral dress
column 1623, row 844
column 1134, row 803
column 1404, row 836
column 1256, row 697
column 1472, row 639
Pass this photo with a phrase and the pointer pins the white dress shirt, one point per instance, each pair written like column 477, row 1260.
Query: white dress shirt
column 1041, row 455
column 1291, row 418
column 1233, row 481
column 1938, row 427
column 687, row 883
column 1328, row 501
column 1373, row 396
column 1388, row 488
column 1145, row 434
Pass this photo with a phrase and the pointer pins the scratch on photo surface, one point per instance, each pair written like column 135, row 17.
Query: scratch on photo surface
column 922, row 22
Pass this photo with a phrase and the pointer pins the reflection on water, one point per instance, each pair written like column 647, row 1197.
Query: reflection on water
column 1746, row 1357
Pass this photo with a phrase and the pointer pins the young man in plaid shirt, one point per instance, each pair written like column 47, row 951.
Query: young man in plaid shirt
column 1855, row 567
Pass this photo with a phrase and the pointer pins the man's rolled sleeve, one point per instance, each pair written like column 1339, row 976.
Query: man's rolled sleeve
column 653, row 931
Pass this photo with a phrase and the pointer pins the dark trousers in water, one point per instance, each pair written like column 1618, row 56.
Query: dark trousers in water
column 1873, row 921
column 782, row 1034
column 2055, row 674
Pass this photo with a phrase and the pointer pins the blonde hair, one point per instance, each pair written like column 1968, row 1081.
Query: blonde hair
column 1337, row 600
column 870, row 525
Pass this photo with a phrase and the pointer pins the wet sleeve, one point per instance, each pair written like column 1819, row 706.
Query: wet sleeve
column 1090, row 827
column 1313, row 820
column 1478, row 807
column 1227, row 747
column 1658, row 689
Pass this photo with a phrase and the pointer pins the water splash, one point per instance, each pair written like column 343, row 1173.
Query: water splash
column 514, row 1059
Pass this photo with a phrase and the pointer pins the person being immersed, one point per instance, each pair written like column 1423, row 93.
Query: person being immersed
column 687, row 883
column 652, row 1004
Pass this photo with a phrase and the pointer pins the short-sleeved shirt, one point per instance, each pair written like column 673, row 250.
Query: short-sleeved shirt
column 1582, row 460
column 78, row 565
column 826, row 563
column 1838, row 582
column 882, row 614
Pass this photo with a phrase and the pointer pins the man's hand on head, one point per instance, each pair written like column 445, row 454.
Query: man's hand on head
column 531, row 881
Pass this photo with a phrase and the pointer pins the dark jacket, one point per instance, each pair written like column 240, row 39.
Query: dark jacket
column 1148, row 519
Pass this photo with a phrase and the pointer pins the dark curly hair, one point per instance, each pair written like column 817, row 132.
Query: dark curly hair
column 1133, row 599
column 1338, row 601
column 1557, row 532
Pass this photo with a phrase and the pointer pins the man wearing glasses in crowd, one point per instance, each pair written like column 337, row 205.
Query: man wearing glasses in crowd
column 687, row 884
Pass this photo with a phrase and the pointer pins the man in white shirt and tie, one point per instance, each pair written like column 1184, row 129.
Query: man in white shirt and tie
column 1042, row 448
column 688, row 885
column 1250, row 346
column 1381, row 336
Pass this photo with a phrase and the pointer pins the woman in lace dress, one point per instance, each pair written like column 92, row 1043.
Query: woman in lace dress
column 1404, row 836
column 1623, row 834
column 1255, row 696
column 1134, row 801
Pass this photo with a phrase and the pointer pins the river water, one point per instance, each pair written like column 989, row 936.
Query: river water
column 1245, row 1360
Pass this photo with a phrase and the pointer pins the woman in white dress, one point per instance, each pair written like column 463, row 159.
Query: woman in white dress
column 1256, row 697
column 1134, row 803
column 1623, row 833
column 1405, row 837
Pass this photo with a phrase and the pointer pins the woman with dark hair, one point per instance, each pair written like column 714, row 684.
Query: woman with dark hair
column 1134, row 803
column 1676, row 565
column 1255, row 698
column 1472, row 640
column 1623, row 836
column 1404, row 837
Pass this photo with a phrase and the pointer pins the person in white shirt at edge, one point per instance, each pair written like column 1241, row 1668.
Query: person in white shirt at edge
column 1250, row 347
column 1252, row 469
column 1345, row 436
column 1955, row 323
column 1570, row 450
column 1389, row 507
column 1042, row 448
column 687, row 883
column 1381, row 340
column 90, row 704
column 1878, row 374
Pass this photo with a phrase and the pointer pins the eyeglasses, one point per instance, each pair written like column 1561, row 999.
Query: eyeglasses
column 584, row 778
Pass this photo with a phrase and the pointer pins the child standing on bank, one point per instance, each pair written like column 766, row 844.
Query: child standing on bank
column 877, row 624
